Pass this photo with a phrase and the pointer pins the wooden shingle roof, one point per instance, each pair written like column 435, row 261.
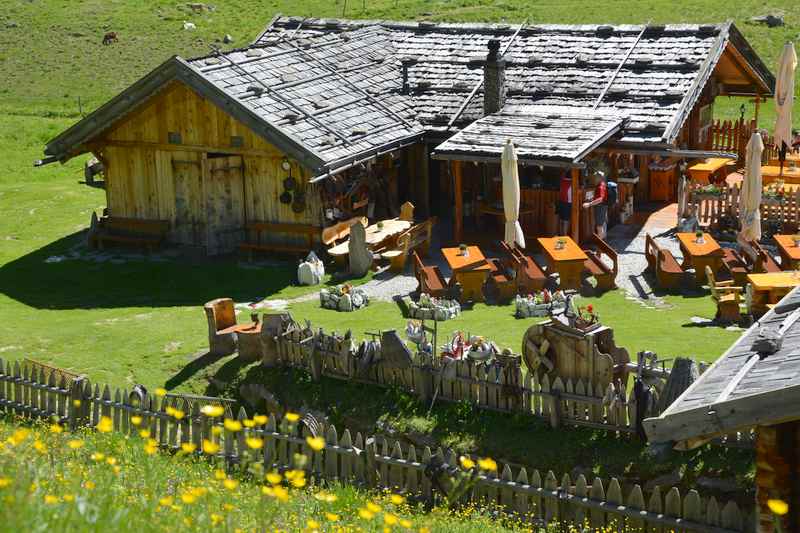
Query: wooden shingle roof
column 539, row 133
column 743, row 388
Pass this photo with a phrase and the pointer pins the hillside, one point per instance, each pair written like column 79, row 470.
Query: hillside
column 51, row 54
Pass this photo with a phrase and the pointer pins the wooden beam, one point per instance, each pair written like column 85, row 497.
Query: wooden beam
column 458, row 218
column 95, row 146
column 575, row 226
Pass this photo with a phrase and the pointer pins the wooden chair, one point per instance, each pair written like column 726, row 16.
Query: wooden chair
column 604, row 275
column 530, row 277
column 220, row 314
column 758, row 260
column 501, row 285
column 430, row 278
column 727, row 297
column 736, row 266
column 407, row 212
column 662, row 264
column 417, row 237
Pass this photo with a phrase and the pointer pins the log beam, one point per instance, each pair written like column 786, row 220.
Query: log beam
column 458, row 214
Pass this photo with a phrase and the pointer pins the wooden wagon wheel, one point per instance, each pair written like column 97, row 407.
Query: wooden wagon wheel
column 534, row 350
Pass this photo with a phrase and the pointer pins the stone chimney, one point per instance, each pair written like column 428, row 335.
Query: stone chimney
column 494, row 79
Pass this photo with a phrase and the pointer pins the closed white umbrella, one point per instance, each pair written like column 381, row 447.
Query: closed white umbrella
column 513, row 231
column 750, row 198
column 784, row 98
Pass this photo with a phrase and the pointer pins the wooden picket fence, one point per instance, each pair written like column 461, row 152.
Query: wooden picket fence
column 731, row 136
column 374, row 463
column 711, row 207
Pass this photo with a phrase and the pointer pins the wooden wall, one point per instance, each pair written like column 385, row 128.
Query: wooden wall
column 149, row 177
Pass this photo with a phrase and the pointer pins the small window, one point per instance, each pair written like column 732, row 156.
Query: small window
column 237, row 141
column 174, row 137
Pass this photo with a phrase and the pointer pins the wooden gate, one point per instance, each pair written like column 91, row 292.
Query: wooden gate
column 224, row 195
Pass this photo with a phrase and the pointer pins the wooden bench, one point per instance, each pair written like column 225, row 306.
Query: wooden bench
column 727, row 297
column 430, row 278
column 530, row 277
column 662, row 263
column 131, row 231
column 501, row 284
column 758, row 260
column 338, row 233
column 255, row 243
column 736, row 266
column 417, row 237
column 604, row 275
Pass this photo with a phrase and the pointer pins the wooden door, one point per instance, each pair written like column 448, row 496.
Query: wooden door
column 190, row 222
column 224, row 199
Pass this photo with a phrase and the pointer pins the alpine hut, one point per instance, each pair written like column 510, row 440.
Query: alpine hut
column 318, row 121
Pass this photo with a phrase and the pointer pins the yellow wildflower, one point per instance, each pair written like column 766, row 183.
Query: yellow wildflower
column 4, row 482
column 298, row 482
column 161, row 391
column 227, row 506
column 466, row 462
column 779, row 507
column 230, row 484
column 292, row 417
column 69, row 497
column 144, row 433
column 254, row 443
column 366, row 514
column 373, row 508
column 177, row 414
column 97, row 456
column 326, row 497
column 105, row 425
column 166, row 501
column 212, row 411
column 150, row 448
column 389, row 519
column 215, row 519
column 76, row 403
column 332, row 517
column 112, row 461
column 406, row 523
column 188, row 497
column 75, row 444
column 312, row 524
column 89, row 484
column 55, row 428
column 487, row 464
column 233, row 425
column 210, row 447
column 315, row 443
column 397, row 499
column 136, row 420
column 260, row 420
column 248, row 423
column 219, row 474
column 274, row 478
column 278, row 492
column 188, row 447
column 216, row 430
column 50, row 499
column 39, row 446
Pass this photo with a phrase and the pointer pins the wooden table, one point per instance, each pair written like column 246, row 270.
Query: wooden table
column 702, row 172
column 469, row 270
column 697, row 255
column 768, row 289
column 375, row 236
column 568, row 261
column 770, row 173
column 790, row 254
column 248, row 340
column 775, row 161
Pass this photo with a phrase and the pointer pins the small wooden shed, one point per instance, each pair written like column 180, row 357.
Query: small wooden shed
column 754, row 385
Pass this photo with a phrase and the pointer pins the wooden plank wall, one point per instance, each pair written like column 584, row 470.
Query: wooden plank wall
column 144, row 170
column 375, row 463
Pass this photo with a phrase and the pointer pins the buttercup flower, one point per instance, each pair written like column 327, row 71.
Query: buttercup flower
column 212, row 411
column 315, row 443
column 779, row 507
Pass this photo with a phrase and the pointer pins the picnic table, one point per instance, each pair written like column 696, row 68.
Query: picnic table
column 770, row 173
column 567, row 261
column 768, row 289
column 790, row 253
column 703, row 171
column 375, row 236
column 470, row 270
column 699, row 255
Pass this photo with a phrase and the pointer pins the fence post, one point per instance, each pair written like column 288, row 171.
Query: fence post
column 371, row 466
column 76, row 407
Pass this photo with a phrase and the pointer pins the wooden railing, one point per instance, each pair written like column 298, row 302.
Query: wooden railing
column 785, row 209
column 731, row 136
column 372, row 463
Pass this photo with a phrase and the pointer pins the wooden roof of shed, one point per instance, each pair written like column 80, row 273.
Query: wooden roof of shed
column 540, row 134
column 741, row 389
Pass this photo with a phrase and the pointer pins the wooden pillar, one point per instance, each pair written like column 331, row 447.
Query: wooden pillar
column 423, row 185
column 777, row 473
column 757, row 102
column 458, row 212
column 575, row 225
column 643, row 189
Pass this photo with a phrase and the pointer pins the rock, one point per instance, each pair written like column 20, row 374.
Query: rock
column 360, row 256
column 227, row 39
column 773, row 20
column 345, row 303
column 310, row 271
column 189, row 25
column 197, row 7
column 719, row 484
column 12, row 24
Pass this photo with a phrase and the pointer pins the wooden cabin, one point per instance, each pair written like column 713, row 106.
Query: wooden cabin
column 755, row 385
column 318, row 121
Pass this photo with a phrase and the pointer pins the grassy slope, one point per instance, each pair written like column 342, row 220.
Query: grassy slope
column 84, row 494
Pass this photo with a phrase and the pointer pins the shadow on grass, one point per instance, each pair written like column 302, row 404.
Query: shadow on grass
column 188, row 372
column 133, row 281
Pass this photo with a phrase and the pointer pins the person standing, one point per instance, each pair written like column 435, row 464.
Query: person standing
column 564, row 207
column 599, row 203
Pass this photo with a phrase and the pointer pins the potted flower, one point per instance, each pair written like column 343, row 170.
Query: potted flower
column 560, row 243
column 380, row 225
column 698, row 237
column 463, row 250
